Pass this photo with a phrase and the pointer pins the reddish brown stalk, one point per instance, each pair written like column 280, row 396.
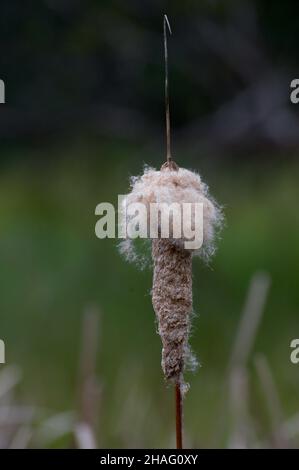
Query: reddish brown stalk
column 178, row 415
column 169, row 164
column 166, row 26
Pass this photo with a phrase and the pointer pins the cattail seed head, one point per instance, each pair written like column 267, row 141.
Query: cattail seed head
column 172, row 263
column 172, row 302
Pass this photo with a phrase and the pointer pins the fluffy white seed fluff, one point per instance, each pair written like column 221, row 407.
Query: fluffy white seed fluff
column 182, row 186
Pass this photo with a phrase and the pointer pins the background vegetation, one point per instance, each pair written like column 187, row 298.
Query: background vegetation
column 84, row 111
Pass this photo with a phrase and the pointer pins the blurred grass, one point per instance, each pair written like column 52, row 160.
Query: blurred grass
column 53, row 267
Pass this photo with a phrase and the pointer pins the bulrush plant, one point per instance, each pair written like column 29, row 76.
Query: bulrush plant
column 172, row 255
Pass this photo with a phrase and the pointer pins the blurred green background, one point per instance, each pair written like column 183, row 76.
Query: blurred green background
column 84, row 111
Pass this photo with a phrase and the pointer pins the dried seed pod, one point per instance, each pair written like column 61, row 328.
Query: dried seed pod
column 172, row 262
column 172, row 302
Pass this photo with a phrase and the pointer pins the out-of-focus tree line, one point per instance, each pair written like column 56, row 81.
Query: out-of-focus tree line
column 97, row 67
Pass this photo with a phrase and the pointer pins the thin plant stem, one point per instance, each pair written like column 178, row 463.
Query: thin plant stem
column 178, row 414
column 178, row 395
column 166, row 26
